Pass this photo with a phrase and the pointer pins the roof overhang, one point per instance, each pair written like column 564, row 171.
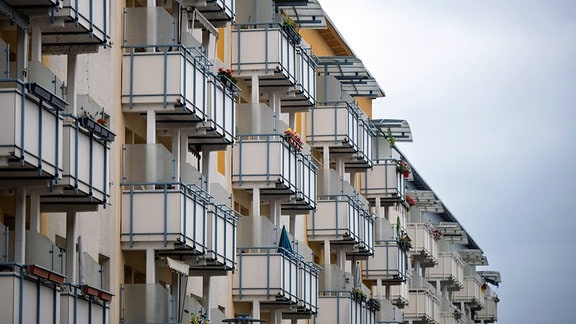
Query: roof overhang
column 352, row 74
column 305, row 13
column 474, row 257
column 399, row 128
column 426, row 201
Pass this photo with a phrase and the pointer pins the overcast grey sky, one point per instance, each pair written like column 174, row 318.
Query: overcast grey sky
column 489, row 90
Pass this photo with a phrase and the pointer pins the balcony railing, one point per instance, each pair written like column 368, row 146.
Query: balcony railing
column 450, row 269
column 343, row 308
column 424, row 306
column 489, row 314
column 399, row 295
column 303, row 96
column 147, row 303
column 81, row 23
column 424, row 245
column 265, row 49
column 389, row 263
column 30, row 132
column 389, row 313
column 306, row 177
column 158, row 207
column 335, row 124
column 218, row 12
column 449, row 313
column 383, row 181
column 221, row 242
column 471, row 293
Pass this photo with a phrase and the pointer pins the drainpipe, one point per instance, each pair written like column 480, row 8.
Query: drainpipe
column 35, row 212
column 206, row 291
column 22, row 59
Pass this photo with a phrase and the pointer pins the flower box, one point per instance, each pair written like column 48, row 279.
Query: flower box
column 96, row 128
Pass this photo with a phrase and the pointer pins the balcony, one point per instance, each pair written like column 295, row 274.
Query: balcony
column 449, row 313
column 488, row 314
column 147, row 304
column 399, row 295
column 390, row 261
column 337, row 294
column 450, row 270
column 287, row 280
column 159, row 208
column 383, row 181
column 302, row 96
column 389, row 313
column 471, row 294
column 424, row 306
column 79, row 26
column 268, row 51
column 341, row 216
column 218, row 12
column 424, row 246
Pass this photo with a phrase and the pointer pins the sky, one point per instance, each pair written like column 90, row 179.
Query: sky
column 489, row 90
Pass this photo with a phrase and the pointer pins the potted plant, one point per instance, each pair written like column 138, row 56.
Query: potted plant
column 436, row 234
column 404, row 242
column 374, row 304
column 225, row 76
column 411, row 202
column 358, row 295
column 293, row 139
column 403, row 168
column 289, row 26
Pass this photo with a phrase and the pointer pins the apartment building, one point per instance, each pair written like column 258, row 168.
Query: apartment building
column 183, row 161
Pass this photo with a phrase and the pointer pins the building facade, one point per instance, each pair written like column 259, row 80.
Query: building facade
column 184, row 161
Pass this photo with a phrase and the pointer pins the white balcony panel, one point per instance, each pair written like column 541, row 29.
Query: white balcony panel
column 383, row 181
column 308, row 287
column 274, row 169
column 341, row 308
column 85, row 168
column 488, row 314
column 30, row 134
column 265, row 50
column 337, row 219
column 26, row 300
column 362, row 160
column 399, row 294
column 334, row 124
column 423, row 306
column 449, row 313
column 221, row 243
column 42, row 252
column 303, row 96
column 82, row 309
column 389, row 263
column 471, row 293
column 450, row 269
column 306, row 185
column 174, row 84
column 277, row 279
column 424, row 246
column 389, row 313
column 78, row 22
column 218, row 12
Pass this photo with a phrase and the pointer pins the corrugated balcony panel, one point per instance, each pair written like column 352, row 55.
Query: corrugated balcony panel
column 389, row 313
column 334, row 124
column 30, row 134
column 27, row 300
column 274, row 172
column 218, row 12
column 85, row 173
column 424, row 245
column 388, row 264
column 76, row 307
column 302, row 96
column 172, row 83
column 424, row 306
column 471, row 293
column 343, row 309
column 266, row 50
column 79, row 26
column 219, row 127
column 147, row 304
column 306, row 185
column 383, row 181
column 449, row 270
column 156, row 207
column 399, row 295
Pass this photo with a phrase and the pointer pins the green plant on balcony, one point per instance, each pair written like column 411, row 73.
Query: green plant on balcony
column 289, row 26
column 404, row 241
column 390, row 137
column 359, row 295
column 374, row 304
column 457, row 313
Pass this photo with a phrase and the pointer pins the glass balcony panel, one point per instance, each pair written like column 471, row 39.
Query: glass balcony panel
column 334, row 124
column 174, row 84
column 27, row 300
column 274, row 171
column 147, row 303
column 278, row 279
column 41, row 75
column 158, row 208
column 78, row 22
column 43, row 252
column 383, row 181
column 30, row 137
column 148, row 26
column 265, row 49
column 423, row 243
column 255, row 119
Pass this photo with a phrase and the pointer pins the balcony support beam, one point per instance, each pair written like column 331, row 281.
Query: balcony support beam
column 35, row 212
column 71, row 81
column 256, row 201
column 177, row 150
column 22, row 59
column 206, row 292
column 150, row 266
column 150, row 127
column 256, row 309
column 255, row 89
column 20, row 226
column 326, row 251
column 36, row 44
column 71, row 256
